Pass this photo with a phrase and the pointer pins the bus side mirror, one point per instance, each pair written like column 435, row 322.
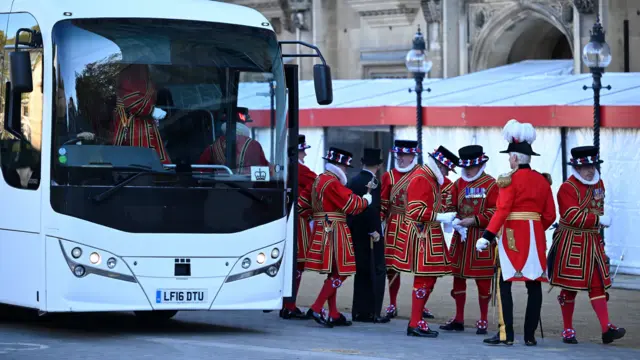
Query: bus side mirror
column 21, row 80
column 322, row 83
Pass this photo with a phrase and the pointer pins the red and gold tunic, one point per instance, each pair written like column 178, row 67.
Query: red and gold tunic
column 420, row 247
column 393, row 203
column 248, row 153
column 447, row 199
column 525, row 209
column 577, row 253
column 135, row 102
column 306, row 178
column 475, row 199
column 331, row 240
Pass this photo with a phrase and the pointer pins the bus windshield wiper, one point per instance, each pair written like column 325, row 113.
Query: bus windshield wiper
column 142, row 170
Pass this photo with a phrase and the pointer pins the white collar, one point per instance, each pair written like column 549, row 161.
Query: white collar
column 596, row 177
column 300, row 162
column 337, row 171
column 431, row 164
column 408, row 167
column 475, row 177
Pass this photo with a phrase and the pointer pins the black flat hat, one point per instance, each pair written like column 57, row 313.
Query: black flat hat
column 445, row 157
column 472, row 155
column 584, row 155
column 339, row 157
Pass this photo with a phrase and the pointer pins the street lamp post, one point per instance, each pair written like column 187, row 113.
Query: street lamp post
column 597, row 56
column 418, row 64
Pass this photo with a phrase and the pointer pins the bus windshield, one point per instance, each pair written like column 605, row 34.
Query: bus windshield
column 172, row 99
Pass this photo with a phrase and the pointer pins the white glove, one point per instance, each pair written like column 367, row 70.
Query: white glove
column 158, row 114
column 311, row 226
column 384, row 226
column 375, row 235
column 605, row 220
column 368, row 198
column 462, row 231
column 455, row 223
column 446, row 227
column 446, row 217
column 482, row 244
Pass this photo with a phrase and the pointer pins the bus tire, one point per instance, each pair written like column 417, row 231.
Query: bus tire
column 155, row 316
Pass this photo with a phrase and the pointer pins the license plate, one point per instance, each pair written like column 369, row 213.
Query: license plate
column 181, row 296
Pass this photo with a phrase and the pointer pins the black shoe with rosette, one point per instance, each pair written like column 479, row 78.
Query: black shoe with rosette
column 614, row 333
column 481, row 327
column 569, row 336
column 422, row 330
column 452, row 325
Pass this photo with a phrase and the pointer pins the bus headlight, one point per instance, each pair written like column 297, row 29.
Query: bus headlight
column 76, row 252
column 79, row 271
column 275, row 253
column 111, row 263
column 261, row 258
column 246, row 263
column 94, row 258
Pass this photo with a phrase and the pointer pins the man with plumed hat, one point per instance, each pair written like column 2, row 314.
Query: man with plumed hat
column 473, row 197
column 305, row 180
column 366, row 230
column 328, row 202
column 419, row 246
column 577, row 260
column 524, row 210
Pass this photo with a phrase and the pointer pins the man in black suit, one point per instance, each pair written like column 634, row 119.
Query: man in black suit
column 369, row 281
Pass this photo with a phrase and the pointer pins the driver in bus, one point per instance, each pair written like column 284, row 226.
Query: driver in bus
column 248, row 151
column 136, row 117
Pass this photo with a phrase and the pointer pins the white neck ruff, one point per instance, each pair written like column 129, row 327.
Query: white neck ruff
column 338, row 172
column 431, row 164
column 408, row 167
column 300, row 161
column 596, row 177
column 475, row 177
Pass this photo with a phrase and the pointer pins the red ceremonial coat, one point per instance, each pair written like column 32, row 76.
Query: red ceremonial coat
column 305, row 181
column 475, row 199
column 135, row 102
column 577, row 253
column 447, row 203
column 248, row 153
column 331, row 241
column 525, row 209
column 393, row 203
column 420, row 247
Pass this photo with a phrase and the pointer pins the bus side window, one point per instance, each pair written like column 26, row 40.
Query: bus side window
column 20, row 157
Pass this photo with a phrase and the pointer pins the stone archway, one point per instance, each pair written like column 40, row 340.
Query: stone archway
column 521, row 32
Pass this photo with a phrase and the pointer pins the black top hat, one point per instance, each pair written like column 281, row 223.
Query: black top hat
column 405, row 147
column 584, row 155
column 339, row 157
column 302, row 143
column 445, row 157
column 371, row 157
column 520, row 147
column 472, row 155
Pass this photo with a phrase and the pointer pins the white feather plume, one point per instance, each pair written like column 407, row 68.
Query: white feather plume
column 519, row 132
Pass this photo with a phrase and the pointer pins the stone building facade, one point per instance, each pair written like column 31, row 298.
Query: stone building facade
column 364, row 39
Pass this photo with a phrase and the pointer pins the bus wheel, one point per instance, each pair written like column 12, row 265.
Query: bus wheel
column 156, row 315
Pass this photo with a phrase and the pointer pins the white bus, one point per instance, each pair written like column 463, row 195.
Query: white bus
column 128, row 180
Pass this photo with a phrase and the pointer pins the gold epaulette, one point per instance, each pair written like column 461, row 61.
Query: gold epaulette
column 504, row 180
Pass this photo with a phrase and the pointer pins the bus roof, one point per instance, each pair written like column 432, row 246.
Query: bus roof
column 48, row 12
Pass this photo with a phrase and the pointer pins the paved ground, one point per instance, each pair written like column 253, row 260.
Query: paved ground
column 254, row 335
column 624, row 307
column 235, row 335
